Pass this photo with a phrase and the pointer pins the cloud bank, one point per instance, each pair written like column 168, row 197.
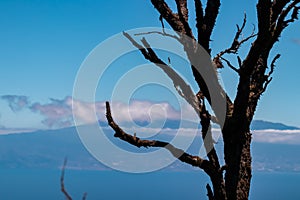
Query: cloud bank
column 59, row 113
column 277, row 136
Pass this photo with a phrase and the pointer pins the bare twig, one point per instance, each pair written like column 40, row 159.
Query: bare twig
column 268, row 76
column 161, row 19
column 84, row 196
column 294, row 15
column 62, row 184
column 160, row 33
column 272, row 66
column 236, row 43
column 230, row 65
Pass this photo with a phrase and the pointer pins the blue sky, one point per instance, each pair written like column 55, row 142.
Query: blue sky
column 43, row 43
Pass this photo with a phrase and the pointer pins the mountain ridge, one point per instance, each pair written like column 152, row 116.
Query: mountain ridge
column 48, row 148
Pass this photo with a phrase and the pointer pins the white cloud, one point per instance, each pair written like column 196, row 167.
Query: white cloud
column 136, row 111
column 86, row 112
column 56, row 114
column 277, row 136
column 59, row 113
column 143, row 111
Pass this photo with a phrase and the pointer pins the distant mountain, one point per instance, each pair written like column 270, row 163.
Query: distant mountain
column 261, row 125
column 47, row 149
column 169, row 123
column 174, row 124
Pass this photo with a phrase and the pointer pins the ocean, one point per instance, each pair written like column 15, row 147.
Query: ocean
column 20, row 184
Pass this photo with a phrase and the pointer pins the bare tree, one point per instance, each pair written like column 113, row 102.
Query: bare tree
column 254, row 72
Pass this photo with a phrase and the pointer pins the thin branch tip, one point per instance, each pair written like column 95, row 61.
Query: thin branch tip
column 62, row 183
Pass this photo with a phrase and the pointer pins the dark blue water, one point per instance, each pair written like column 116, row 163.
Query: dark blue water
column 22, row 184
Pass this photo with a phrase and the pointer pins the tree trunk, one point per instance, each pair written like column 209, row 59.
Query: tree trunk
column 237, row 140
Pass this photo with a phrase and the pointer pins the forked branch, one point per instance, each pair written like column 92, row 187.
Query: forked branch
column 237, row 42
column 235, row 46
column 62, row 183
column 282, row 22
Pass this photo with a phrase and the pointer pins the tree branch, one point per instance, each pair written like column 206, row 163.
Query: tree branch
column 62, row 184
column 211, row 167
column 209, row 20
column 136, row 141
column 231, row 66
column 268, row 77
column 172, row 18
column 235, row 45
column 281, row 22
column 254, row 66
column 182, row 88
column 277, row 7
column 162, row 22
column 198, row 106
column 214, row 174
column 268, row 34
column 183, row 16
column 217, row 177
column 160, row 33
column 211, row 13
column 199, row 17
column 208, row 141
column 210, row 194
